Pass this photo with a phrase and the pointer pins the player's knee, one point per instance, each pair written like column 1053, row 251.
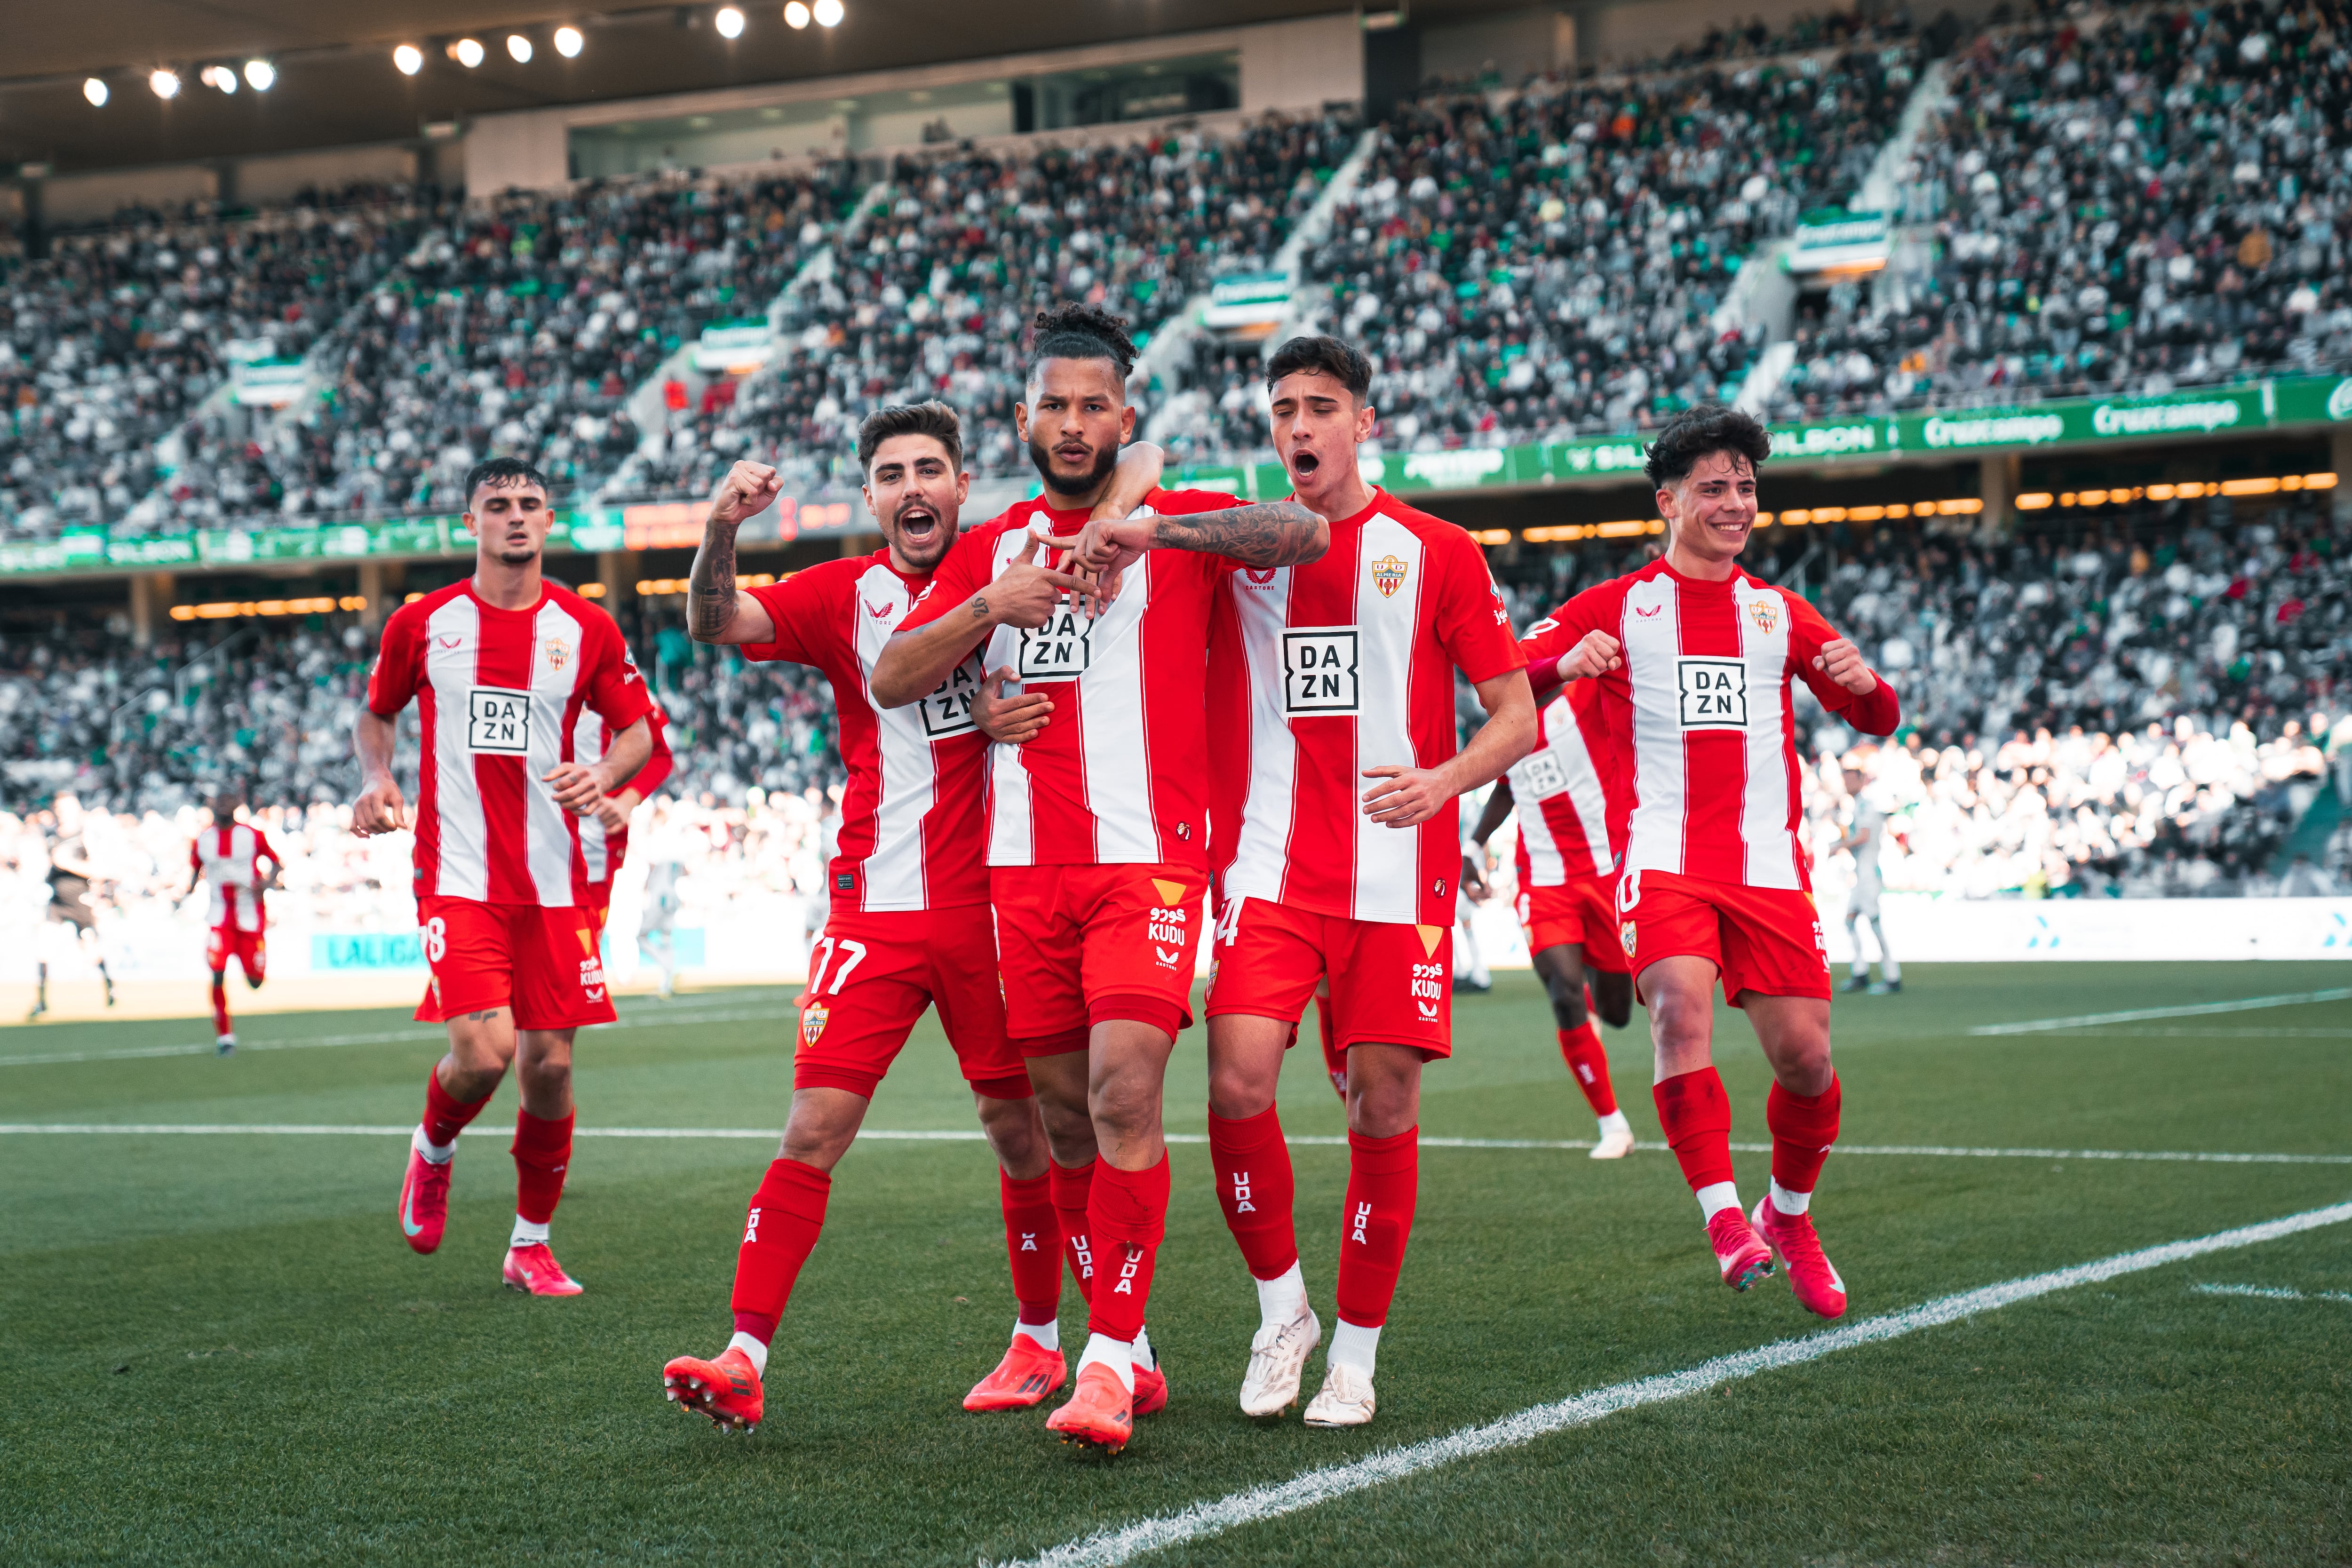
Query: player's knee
column 1568, row 1009
column 1237, row 1089
column 1613, row 998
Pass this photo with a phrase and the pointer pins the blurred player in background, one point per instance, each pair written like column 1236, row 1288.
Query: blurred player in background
column 908, row 923
column 1565, row 792
column 72, row 881
column 503, row 667
column 226, row 857
column 605, row 832
column 1337, row 847
column 1098, row 826
column 1695, row 660
column 1865, row 837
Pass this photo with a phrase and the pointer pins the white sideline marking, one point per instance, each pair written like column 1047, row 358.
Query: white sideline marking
column 647, row 1020
column 2272, row 1292
column 2195, row 1010
column 1106, row 1548
column 975, row 1135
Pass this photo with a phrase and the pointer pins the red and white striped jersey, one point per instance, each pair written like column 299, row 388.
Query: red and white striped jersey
column 228, row 859
column 499, row 694
column 1567, row 792
column 1702, row 715
column 1320, row 671
column 600, row 852
column 1119, row 775
column 910, row 821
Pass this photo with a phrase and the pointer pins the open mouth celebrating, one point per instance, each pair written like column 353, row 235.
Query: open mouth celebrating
column 918, row 524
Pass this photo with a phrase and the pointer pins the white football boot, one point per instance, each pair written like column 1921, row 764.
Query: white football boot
column 1346, row 1399
column 1278, row 1362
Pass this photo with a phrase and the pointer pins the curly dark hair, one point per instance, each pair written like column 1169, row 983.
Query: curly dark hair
column 1695, row 433
column 1081, row 331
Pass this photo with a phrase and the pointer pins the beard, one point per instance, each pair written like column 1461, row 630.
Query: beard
column 1041, row 453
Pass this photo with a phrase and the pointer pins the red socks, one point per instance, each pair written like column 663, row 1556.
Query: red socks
column 1802, row 1131
column 1072, row 1191
column 445, row 1116
column 1253, row 1188
column 220, row 1004
column 1587, row 1064
column 786, row 1213
column 1697, row 1116
column 542, row 1151
column 1128, row 1215
column 1383, row 1179
column 1032, row 1238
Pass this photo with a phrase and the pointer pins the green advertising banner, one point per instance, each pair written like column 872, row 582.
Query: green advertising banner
column 1955, row 433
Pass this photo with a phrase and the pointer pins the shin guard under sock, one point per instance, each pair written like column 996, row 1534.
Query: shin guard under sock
column 1587, row 1064
column 1253, row 1188
column 1128, row 1215
column 1383, row 1180
column 1072, row 1191
column 1033, row 1245
column 446, row 1116
column 781, row 1226
column 543, row 1153
column 1697, row 1116
column 1803, row 1128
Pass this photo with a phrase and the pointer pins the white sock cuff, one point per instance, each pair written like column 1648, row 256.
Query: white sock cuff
column 1615, row 1122
column 528, row 1232
column 1116, row 1355
column 751, row 1347
column 1716, row 1197
column 1788, row 1202
column 434, row 1153
column 1279, row 1299
column 1138, row 1350
column 1355, row 1345
column 1047, row 1334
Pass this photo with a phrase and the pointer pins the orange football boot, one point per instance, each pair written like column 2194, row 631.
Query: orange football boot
column 1028, row 1373
column 1151, row 1389
column 533, row 1270
column 726, row 1390
column 424, row 1201
column 1100, row 1412
column 1739, row 1252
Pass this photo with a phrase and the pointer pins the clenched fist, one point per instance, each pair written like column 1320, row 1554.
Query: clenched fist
column 749, row 490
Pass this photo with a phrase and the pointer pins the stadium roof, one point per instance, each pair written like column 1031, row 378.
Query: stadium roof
column 336, row 84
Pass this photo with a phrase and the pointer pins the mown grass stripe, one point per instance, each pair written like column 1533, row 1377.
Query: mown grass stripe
column 1120, row 1544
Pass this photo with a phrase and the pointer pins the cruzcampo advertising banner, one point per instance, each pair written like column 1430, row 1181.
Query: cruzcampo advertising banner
column 1953, row 432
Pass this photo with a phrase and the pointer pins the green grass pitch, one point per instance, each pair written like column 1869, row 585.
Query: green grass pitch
column 216, row 1350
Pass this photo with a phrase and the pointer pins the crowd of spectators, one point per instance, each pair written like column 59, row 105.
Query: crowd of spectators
column 2123, row 202
column 117, row 336
column 1534, row 264
column 932, row 296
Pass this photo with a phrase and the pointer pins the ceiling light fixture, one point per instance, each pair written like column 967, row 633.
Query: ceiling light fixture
column 408, row 59
column 94, row 90
column 828, row 13
column 164, row 82
column 466, row 52
column 259, row 75
column 219, row 77
column 568, row 42
column 519, row 48
column 796, row 15
column 729, row 21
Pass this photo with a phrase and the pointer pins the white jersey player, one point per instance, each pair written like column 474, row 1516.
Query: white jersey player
column 1865, row 837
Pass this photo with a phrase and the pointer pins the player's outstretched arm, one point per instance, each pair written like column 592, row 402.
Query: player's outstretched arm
column 1407, row 797
column 1132, row 480
column 916, row 659
column 715, row 612
column 379, row 808
column 1498, row 807
column 1265, row 534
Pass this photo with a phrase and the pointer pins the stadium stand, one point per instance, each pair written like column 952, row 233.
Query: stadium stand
column 2129, row 202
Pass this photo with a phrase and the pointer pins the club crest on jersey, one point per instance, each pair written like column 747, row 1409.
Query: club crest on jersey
column 1058, row 650
column 558, row 654
column 1319, row 670
column 1625, row 938
column 1765, row 613
column 1388, row 575
column 812, row 1018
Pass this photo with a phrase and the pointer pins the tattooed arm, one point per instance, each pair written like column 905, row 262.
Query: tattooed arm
column 715, row 612
column 934, row 638
column 1270, row 534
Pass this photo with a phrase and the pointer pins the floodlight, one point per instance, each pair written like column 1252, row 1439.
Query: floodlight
column 408, row 59
column 94, row 90
column 729, row 21
column 796, row 15
column 259, row 75
column 164, row 82
column 519, row 48
column 466, row 52
column 568, row 42
column 828, row 13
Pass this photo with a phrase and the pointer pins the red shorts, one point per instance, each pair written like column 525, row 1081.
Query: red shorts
column 598, row 908
column 1081, row 945
column 1765, row 940
column 1389, row 984
column 226, row 942
column 871, row 977
column 1576, row 913
column 540, row 961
